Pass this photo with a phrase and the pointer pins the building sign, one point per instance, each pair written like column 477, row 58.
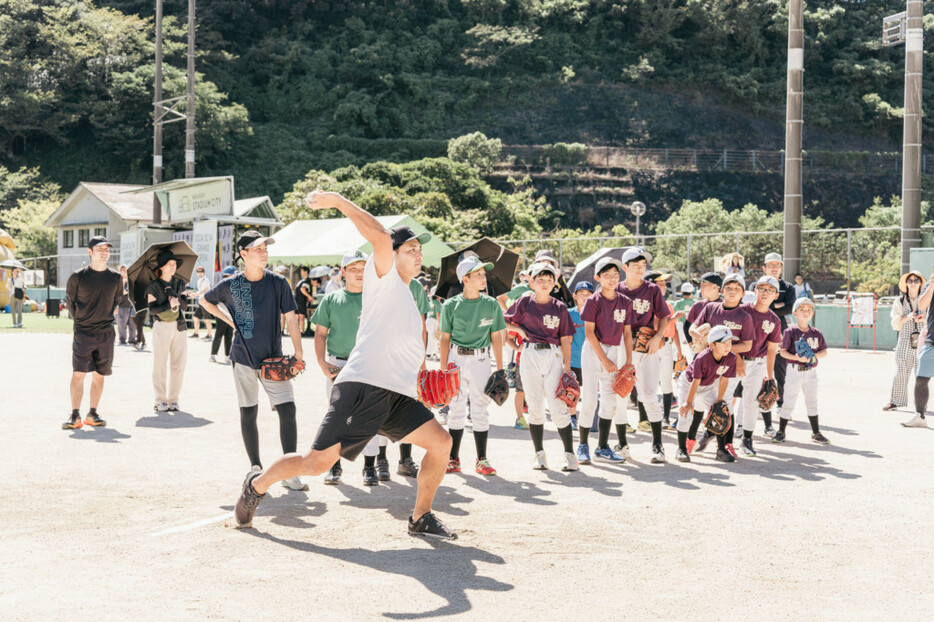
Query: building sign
column 204, row 242
column 129, row 246
column 225, row 246
column 186, row 203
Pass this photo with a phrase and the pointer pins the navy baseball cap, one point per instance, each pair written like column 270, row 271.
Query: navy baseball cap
column 401, row 235
column 583, row 285
column 98, row 240
column 711, row 277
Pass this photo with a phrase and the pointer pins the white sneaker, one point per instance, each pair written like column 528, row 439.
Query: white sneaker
column 212, row 358
column 224, row 360
column 917, row 422
column 295, row 483
column 738, row 432
column 658, row 455
column 623, row 451
column 570, row 462
column 161, row 407
column 540, row 464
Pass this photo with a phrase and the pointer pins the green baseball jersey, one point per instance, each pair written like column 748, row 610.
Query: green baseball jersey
column 517, row 291
column 470, row 322
column 684, row 304
column 421, row 298
column 436, row 306
column 339, row 312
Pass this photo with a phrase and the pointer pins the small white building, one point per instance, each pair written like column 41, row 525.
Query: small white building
column 123, row 213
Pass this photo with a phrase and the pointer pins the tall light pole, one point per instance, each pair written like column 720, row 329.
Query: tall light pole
column 157, row 125
column 896, row 29
column 637, row 209
column 794, row 120
column 190, row 103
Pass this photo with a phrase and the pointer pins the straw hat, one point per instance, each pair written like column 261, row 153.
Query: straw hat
column 727, row 260
column 903, row 281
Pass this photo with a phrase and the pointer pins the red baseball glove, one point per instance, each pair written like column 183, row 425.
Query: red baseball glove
column 437, row 387
column 569, row 390
column 281, row 368
column 625, row 380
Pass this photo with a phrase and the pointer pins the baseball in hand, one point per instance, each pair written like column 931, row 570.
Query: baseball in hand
column 318, row 199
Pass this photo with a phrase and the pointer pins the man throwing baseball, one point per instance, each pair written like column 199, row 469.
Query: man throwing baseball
column 376, row 392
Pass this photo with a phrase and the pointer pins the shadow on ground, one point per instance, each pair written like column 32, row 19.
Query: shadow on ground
column 177, row 419
column 101, row 435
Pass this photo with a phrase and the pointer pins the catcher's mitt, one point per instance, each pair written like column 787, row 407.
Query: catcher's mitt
column 569, row 390
column 437, row 387
column 719, row 418
column 624, row 380
column 803, row 349
column 333, row 369
column 768, row 395
column 497, row 387
column 700, row 343
column 641, row 341
column 281, row 368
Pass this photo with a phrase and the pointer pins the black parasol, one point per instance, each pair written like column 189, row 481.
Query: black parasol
column 498, row 280
column 585, row 269
column 143, row 270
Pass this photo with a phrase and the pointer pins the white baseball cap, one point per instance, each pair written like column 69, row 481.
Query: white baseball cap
column 603, row 262
column 353, row 256
column 802, row 301
column 720, row 334
column 471, row 263
column 687, row 288
column 768, row 280
column 733, row 278
column 542, row 266
column 773, row 257
column 636, row 252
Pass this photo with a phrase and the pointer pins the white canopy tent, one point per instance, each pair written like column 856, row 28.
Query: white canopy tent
column 325, row 241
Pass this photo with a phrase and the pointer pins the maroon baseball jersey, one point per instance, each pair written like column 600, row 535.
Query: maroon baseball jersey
column 695, row 310
column 647, row 303
column 766, row 329
column 707, row 369
column 610, row 317
column 737, row 320
column 543, row 323
column 814, row 338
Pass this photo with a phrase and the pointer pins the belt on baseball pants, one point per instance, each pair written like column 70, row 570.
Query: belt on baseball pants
column 471, row 352
column 337, row 358
column 540, row 346
column 752, row 358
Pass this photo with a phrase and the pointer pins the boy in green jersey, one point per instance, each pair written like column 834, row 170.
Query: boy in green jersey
column 471, row 325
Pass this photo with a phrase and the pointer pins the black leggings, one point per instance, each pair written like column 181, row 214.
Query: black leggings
column 222, row 330
column 288, row 430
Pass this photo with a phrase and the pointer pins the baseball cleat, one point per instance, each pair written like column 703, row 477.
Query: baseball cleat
column 93, row 420
column 454, row 466
column 682, row 456
column 295, row 483
column 430, row 527
column 769, row 432
column 407, row 467
column 658, row 454
column 382, row 469
column 730, row 450
column 702, row 443
column 583, row 453
column 746, row 447
column 333, row 477
column 779, row 437
column 645, row 426
column 249, row 499
column 690, row 445
column 724, row 456
column 608, row 455
column 540, row 463
column 483, row 467
column 623, row 450
column 369, row 476
column 916, row 422
column 73, row 422
column 570, row 462
column 819, row 438
column 521, row 423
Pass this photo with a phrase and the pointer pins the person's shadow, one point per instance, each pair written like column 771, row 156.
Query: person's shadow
column 101, row 435
column 446, row 569
column 177, row 419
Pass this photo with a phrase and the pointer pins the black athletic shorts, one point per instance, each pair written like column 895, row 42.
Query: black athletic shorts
column 93, row 352
column 360, row 411
column 202, row 314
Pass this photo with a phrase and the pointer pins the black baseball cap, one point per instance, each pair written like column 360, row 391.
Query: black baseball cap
column 98, row 240
column 711, row 277
column 402, row 234
column 252, row 239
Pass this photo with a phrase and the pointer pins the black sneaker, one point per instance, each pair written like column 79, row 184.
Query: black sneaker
column 408, row 468
column 430, row 527
column 724, row 456
column 702, row 443
column 74, row 422
column 382, row 469
column 249, row 499
column 369, row 476
column 779, row 437
column 333, row 478
column 820, row 438
column 682, row 456
column 747, row 447
column 94, row 420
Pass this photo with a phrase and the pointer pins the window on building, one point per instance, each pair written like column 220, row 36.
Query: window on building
column 68, row 238
column 100, row 231
column 84, row 236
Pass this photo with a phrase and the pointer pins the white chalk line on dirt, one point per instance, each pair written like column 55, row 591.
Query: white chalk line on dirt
column 188, row 527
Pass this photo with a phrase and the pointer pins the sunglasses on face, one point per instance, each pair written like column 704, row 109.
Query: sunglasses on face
column 913, row 281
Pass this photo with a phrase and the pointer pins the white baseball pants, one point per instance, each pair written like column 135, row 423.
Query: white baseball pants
column 541, row 372
column 796, row 382
column 752, row 383
column 647, row 374
column 597, row 380
column 475, row 371
column 704, row 398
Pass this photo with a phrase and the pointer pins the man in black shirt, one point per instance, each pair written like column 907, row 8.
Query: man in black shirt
column 92, row 295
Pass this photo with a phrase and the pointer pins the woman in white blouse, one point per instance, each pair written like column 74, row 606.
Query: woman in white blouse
column 908, row 321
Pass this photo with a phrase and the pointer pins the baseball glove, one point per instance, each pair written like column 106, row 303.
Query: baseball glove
column 768, row 395
column 803, row 349
column 719, row 418
column 497, row 387
column 680, row 365
column 642, row 337
column 624, row 380
column 437, row 387
column 700, row 343
column 569, row 390
column 281, row 368
column 333, row 369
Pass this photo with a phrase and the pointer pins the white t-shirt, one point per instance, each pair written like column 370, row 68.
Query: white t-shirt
column 204, row 284
column 389, row 352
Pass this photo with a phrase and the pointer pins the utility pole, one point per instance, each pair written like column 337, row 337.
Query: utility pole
column 793, row 123
column 156, row 125
column 190, row 105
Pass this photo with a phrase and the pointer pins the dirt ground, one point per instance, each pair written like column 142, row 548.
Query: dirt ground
column 133, row 521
